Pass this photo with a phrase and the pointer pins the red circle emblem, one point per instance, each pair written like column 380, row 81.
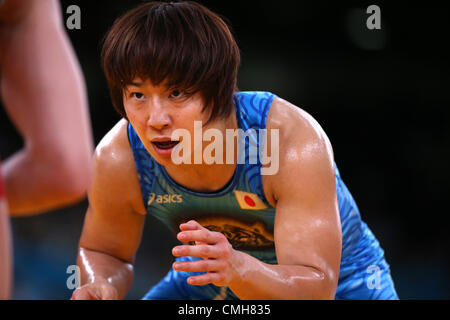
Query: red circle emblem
column 249, row 201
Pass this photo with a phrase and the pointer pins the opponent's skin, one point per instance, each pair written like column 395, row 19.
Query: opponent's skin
column 42, row 90
column 307, row 229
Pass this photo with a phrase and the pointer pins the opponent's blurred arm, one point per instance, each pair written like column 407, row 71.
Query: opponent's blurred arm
column 43, row 91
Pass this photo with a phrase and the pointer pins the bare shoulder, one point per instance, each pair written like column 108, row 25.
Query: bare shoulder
column 303, row 145
column 114, row 149
column 115, row 174
column 295, row 123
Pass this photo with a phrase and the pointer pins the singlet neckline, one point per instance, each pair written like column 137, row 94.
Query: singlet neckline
column 224, row 190
column 229, row 186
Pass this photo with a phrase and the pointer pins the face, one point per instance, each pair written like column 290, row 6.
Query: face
column 156, row 111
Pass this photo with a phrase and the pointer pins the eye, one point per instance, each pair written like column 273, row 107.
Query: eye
column 137, row 95
column 175, row 94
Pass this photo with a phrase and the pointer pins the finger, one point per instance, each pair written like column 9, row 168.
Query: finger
column 202, row 251
column 203, row 235
column 198, row 266
column 108, row 293
column 217, row 278
column 84, row 294
column 191, row 225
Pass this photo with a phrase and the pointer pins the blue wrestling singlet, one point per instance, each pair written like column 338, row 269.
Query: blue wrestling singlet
column 241, row 212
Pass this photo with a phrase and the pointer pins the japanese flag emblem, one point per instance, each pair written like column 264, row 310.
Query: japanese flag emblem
column 249, row 201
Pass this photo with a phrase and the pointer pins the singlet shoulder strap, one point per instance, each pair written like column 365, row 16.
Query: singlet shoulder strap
column 252, row 108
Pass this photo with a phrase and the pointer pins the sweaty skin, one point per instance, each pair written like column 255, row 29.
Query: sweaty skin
column 307, row 224
column 43, row 92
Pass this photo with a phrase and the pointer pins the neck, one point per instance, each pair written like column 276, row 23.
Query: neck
column 203, row 178
column 207, row 177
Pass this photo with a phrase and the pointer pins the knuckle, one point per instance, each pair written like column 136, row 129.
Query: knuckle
column 221, row 277
column 204, row 250
column 222, row 265
column 219, row 236
column 205, row 233
column 226, row 252
column 207, row 265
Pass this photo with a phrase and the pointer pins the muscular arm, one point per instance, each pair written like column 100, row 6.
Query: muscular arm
column 43, row 92
column 115, row 217
column 307, row 224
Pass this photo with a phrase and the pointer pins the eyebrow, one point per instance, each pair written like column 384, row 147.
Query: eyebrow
column 136, row 84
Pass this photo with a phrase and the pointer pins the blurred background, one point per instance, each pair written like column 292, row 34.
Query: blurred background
column 380, row 95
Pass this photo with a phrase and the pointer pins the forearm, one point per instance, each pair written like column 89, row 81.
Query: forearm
column 100, row 267
column 257, row 280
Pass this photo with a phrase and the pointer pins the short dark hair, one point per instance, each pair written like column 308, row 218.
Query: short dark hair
column 181, row 44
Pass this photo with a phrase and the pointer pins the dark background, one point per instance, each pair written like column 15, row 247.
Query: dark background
column 380, row 95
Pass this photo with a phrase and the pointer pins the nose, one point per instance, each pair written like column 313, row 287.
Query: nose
column 158, row 116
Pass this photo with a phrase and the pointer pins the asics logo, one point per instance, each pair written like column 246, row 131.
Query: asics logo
column 165, row 198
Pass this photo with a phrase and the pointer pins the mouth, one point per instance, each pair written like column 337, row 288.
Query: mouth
column 165, row 145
